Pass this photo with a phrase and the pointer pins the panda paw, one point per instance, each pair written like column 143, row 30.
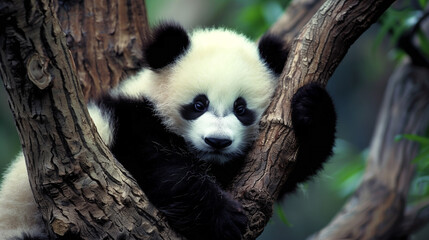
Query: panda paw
column 313, row 115
column 314, row 123
column 231, row 222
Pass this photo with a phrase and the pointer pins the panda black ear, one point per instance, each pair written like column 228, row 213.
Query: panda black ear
column 273, row 52
column 168, row 42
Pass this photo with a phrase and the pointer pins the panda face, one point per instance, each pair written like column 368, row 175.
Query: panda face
column 215, row 94
column 212, row 89
column 217, row 133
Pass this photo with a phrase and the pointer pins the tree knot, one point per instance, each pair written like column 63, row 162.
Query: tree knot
column 37, row 70
column 59, row 227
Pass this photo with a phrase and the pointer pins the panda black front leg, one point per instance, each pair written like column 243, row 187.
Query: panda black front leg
column 314, row 123
column 193, row 202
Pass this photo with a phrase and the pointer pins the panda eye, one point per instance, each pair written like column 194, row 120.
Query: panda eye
column 199, row 106
column 240, row 107
column 240, row 110
column 195, row 108
column 200, row 103
column 245, row 115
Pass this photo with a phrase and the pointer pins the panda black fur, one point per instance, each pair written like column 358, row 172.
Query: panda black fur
column 183, row 125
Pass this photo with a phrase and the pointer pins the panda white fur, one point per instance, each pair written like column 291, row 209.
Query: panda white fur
column 182, row 127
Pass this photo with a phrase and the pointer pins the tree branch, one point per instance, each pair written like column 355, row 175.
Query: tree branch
column 314, row 55
column 414, row 219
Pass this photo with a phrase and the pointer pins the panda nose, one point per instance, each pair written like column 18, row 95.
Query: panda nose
column 218, row 143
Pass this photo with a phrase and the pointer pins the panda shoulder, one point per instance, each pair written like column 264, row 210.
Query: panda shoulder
column 138, row 86
column 134, row 88
column 102, row 118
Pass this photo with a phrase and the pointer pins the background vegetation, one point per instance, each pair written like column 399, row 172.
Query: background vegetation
column 357, row 88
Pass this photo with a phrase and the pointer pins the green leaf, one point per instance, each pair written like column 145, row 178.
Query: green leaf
column 388, row 22
column 396, row 23
column 398, row 55
column 422, row 160
column 424, row 42
column 404, row 19
column 423, row 3
column 420, row 188
column 413, row 137
column 280, row 213
column 349, row 176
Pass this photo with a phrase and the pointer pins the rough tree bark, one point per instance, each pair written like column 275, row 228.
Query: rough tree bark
column 105, row 39
column 68, row 164
column 78, row 186
column 315, row 53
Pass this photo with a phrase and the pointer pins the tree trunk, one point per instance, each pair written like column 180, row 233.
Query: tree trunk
column 106, row 43
column 78, row 187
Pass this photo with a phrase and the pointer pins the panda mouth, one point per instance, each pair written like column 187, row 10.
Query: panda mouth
column 215, row 155
column 214, row 152
column 219, row 153
column 211, row 155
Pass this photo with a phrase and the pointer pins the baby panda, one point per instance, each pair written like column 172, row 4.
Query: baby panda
column 183, row 125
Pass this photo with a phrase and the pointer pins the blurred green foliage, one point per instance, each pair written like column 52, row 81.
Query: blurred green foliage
column 258, row 17
column 399, row 20
column 420, row 186
column 348, row 175
column 250, row 17
column 404, row 18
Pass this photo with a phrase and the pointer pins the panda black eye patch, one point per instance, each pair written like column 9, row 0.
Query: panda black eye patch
column 196, row 108
column 243, row 114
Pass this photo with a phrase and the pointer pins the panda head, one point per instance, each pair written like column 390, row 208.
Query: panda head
column 211, row 86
